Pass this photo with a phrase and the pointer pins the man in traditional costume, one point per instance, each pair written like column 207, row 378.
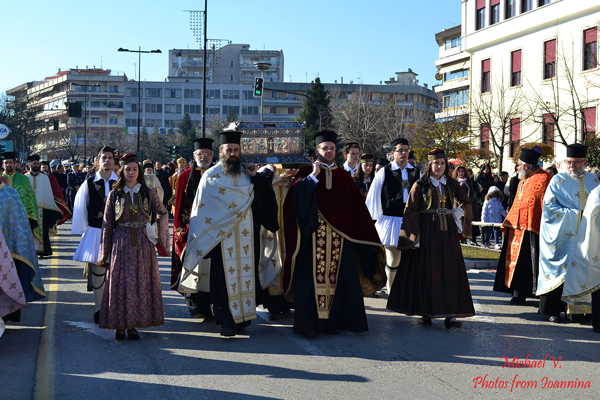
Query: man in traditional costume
column 224, row 242
column 564, row 202
column 333, row 255
column 16, row 228
column 582, row 279
column 22, row 185
column 88, row 212
column 386, row 201
column 351, row 154
column 49, row 212
column 198, row 301
column 61, row 178
column 518, row 266
column 75, row 179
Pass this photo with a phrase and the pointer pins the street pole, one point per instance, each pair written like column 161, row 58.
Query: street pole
column 204, row 73
column 139, row 108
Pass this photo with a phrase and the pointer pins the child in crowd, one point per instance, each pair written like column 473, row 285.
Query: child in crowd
column 493, row 211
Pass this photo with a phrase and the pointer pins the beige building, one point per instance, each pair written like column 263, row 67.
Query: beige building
column 231, row 64
column 100, row 96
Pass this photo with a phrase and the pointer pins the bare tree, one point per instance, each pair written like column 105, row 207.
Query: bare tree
column 495, row 110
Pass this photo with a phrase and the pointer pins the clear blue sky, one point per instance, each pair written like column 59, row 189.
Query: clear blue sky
column 363, row 41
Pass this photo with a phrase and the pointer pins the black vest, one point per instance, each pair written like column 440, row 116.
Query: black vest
column 97, row 197
column 392, row 195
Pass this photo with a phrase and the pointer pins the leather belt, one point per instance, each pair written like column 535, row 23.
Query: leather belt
column 136, row 225
column 440, row 211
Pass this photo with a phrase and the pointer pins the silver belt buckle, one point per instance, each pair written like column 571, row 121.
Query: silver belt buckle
column 442, row 211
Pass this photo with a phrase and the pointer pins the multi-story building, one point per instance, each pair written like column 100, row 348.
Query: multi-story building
column 453, row 71
column 96, row 93
column 535, row 63
column 231, row 64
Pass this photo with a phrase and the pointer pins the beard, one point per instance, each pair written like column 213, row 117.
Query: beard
column 231, row 165
column 203, row 164
column 522, row 173
column 577, row 173
column 35, row 169
column 9, row 169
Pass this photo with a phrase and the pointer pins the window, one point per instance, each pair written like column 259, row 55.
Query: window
column 172, row 108
column 231, row 78
column 113, row 121
column 131, row 92
column 272, row 110
column 455, row 98
column 515, row 135
column 290, row 110
column 173, row 93
column 480, row 15
column 485, row 136
column 231, row 65
column 548, row 130
column 550, row 59
column 588, row 123
column 249, row 110
column 515, row 79
column 485, row 76
column 452, row 43
column 231, row 94
column 153, row 92
column 113, row 88
column 247, row 94
column 526, row 5
column 590, row 48
column 95, row 120
column 543, row 2
column 510, row 8
column 461, row 73
column 494, row 11
column 228, row 109
column 213, row 94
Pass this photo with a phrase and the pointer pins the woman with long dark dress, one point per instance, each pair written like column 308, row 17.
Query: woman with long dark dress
column 132, row 293
column 432, row 280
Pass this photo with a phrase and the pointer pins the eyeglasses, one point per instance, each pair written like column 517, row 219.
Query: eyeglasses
column 572, row 162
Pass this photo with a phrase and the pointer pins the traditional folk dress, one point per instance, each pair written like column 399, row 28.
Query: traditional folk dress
column 132, row 295
column 582, row 279
column 19, row 240
column 224, row 253
column 564, row 202
column 12, row 297
column 333, row 255
column 518, row 266
column 48, row 210
column 22, row 185
column 432, row 279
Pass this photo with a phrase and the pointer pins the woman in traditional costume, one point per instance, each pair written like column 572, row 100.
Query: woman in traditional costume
column 365, row 175
column 132, row 295
column 432, row 280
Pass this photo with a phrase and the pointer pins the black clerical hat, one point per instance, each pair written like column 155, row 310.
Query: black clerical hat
column 230, row 137
column 382, row 161
column 529, row 156
column 33, row 157
column 576, row 150
column 8, row 155
column 203, row 143
column 325, row 136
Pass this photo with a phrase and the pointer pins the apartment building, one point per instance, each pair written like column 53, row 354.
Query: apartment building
column 536, row 60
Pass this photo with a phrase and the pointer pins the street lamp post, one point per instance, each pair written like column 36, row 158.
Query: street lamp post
column 139, row 51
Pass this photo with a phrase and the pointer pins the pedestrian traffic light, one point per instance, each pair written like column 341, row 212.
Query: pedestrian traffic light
column 258, row 87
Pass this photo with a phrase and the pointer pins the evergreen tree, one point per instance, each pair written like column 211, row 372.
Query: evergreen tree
column 156, row 147
column 316, row 114
column 188, row 134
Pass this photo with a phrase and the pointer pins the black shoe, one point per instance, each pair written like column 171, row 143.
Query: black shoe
column 556, row 319
column 227, row 331
column 133, row 334
column 275, row 315
column 97, row 317
column 427, row 321
column 240, row 329
column 308, row 333
column 518, row 301
column 452, row 323
column 120, row 336
column 473, row 243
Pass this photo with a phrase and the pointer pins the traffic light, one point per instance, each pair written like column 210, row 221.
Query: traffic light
column 174, row 151
column 75, row 110
column 258, row 87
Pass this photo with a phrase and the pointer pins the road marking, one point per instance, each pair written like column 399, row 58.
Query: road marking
column 44, row 383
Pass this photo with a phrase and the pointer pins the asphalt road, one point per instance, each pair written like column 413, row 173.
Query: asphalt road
column 57, row 352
